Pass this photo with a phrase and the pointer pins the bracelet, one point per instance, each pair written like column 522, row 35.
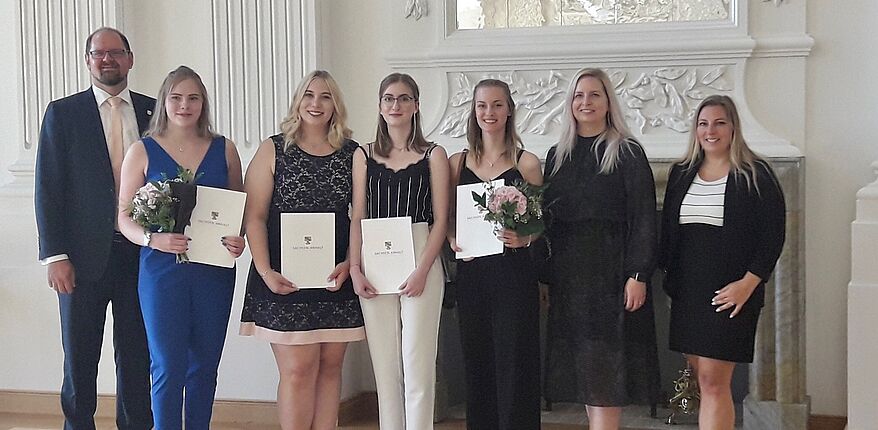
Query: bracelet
column 528, row 241
column 263, row 274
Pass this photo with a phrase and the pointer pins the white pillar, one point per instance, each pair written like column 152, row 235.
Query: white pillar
column 862, row 317
column 51, row 37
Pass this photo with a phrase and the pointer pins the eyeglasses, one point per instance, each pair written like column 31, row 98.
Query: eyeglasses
column 114, row 54
column 405, row 99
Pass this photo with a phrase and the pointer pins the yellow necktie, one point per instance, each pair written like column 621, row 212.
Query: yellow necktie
column 114, row 145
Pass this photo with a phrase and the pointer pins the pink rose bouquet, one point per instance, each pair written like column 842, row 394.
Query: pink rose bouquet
column 517, row 207
column 165, row 206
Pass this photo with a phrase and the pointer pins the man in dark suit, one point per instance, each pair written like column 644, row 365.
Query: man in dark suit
column 82, row 141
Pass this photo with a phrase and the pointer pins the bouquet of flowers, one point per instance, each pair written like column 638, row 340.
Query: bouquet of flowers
column 165, row 206
column 517, row 207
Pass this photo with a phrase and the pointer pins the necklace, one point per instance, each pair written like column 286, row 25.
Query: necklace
column 181, row 148
column 492, row 163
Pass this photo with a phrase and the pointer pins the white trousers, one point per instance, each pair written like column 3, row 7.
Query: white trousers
column 402, row 333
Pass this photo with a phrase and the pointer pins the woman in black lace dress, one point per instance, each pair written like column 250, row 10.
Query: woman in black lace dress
column 306, row 168
column 601, row 198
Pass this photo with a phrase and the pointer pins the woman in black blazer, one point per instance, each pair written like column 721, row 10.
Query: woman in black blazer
column 722, row 233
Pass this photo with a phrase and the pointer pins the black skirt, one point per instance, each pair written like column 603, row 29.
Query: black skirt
column 696, row 327
column 598, row 353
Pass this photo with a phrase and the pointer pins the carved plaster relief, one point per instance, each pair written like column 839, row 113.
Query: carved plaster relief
column 657, row 99
column 416, row 9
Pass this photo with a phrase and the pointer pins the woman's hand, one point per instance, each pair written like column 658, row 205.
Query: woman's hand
column 635, row 294
column 339, row 275
column 235, row 245
column 361, row 285
column 414, row 285
column 735, row 294
column 172, row 243
column 278, row 284
column 452, row 241
column 511, row 239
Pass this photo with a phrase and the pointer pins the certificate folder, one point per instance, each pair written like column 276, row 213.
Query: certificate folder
column 474, row 235
column 218, row 212
column 307, row 248
column 388, row 252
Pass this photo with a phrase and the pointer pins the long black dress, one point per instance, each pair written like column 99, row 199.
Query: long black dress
column 498, row 307
column 603, row 230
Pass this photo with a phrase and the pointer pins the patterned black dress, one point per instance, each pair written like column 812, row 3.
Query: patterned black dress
column 306, row 183
column 603, row 229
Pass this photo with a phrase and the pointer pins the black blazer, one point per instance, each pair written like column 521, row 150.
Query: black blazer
column 74, row 196
column 753, row 225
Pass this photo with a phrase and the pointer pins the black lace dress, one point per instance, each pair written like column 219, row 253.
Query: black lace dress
column 306, row 183
column 602, row 230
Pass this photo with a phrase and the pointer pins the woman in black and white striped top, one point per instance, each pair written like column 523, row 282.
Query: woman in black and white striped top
column 722, row 233
column 401, row 174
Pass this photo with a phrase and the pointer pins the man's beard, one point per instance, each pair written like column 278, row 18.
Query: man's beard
column 111, row 78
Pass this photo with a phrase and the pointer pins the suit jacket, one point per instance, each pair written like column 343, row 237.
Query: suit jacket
column 75, row 196
column 753, row 229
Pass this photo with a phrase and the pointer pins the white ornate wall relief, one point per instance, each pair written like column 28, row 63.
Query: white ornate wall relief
column 52, row 39
column 261, row 50
column 415, row 9
column 653, row 100
column 661, row 67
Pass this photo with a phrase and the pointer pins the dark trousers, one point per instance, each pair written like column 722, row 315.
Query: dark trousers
column 83, row 314
column 498, row 308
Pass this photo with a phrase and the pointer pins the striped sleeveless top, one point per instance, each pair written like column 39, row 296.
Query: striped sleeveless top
column 405, row 192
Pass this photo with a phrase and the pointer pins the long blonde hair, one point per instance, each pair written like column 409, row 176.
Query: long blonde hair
column 742, row 160
column 338, row 130
column 416, row 140
column 159, row 123
column 512, row 141
column 617, row 136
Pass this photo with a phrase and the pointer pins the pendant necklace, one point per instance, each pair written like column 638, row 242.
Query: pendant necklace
column 491, row 163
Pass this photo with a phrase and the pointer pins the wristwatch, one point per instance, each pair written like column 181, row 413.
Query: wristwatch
column 638, row 276
column 147, row 236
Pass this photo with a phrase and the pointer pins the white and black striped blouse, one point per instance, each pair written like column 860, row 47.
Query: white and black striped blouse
column 405, row 192
column 704, row 202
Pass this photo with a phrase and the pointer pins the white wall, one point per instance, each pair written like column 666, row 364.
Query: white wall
column 841, row 131
column 831, row 119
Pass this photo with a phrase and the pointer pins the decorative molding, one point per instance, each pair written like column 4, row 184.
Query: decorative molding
column 259, row 56
column 50, row 36
column 658, row 102
column 416, row 9
column 534, row 93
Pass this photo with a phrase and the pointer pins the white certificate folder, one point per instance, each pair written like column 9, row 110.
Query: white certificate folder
column 307, row 248
column 388, row 252
column 474, row 235
column 217, row 213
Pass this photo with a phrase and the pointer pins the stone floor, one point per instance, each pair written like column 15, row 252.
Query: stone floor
column 562, row 417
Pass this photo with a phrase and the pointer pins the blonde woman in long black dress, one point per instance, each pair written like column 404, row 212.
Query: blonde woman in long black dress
column 601, row 196
column 722, row 233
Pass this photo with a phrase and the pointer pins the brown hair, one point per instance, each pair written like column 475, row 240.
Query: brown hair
column 512, row 141
column 416, row 140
